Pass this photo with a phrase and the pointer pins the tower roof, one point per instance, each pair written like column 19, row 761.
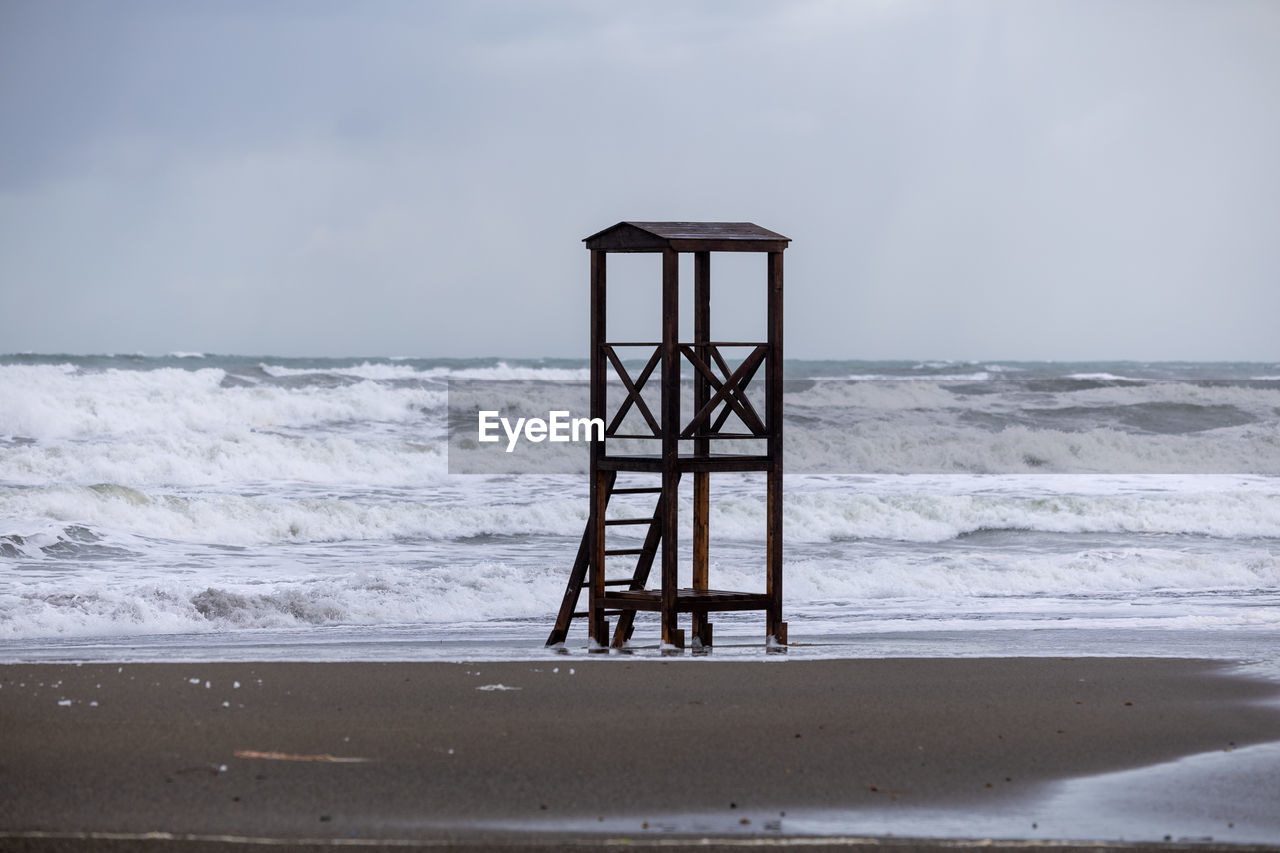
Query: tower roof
column 687, row 237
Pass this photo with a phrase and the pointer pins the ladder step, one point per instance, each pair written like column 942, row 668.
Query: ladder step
column 624, row 552
column 630, row 520
column 583, row 613
column 626, row 582
column 648, row 490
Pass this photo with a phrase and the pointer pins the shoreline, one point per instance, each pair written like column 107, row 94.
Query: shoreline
column 1255, row 650
column 540, row 749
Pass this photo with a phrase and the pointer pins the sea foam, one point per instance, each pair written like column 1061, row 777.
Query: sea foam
column 214, row 494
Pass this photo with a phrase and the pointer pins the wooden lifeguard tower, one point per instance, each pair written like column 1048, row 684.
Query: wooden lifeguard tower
column 687, row 444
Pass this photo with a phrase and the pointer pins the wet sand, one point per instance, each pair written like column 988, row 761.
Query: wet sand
column 529, row 754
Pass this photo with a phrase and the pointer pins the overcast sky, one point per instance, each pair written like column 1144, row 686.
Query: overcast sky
column 960, row 179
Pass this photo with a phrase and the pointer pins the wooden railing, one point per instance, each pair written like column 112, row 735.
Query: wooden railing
column 719, row 390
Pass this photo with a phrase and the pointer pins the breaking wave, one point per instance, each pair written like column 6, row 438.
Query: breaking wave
column 204, row 493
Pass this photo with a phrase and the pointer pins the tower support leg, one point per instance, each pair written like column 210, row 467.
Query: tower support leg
column 672, row 636
column 597, row 625
column 700, row 628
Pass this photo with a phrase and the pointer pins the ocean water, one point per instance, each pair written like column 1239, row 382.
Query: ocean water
column 207, row 507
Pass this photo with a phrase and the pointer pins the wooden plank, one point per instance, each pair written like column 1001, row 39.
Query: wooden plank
column 688, row 464
column 690, row 596
column 701, row 528
column 671, row 365
column 659, row 247
column 651, row 464
column 597, row 335
column 651, row 601
column 701, row 549
column 726, row 464
column 617, row 344
column 701, row 445
column 730, row 245
column 650, row 596
column 601, row 480
column 701, row 335
column 773, row 501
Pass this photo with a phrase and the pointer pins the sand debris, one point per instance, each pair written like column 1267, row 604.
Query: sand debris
column 289, row 756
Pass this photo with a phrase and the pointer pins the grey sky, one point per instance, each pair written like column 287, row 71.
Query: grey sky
column 961, row 179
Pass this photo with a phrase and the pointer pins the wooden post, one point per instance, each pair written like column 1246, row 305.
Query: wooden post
column 776, row 629
column 701, row 446
column 597, row 628
column 670, row 444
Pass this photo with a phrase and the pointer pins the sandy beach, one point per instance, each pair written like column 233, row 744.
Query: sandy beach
column 533, row 753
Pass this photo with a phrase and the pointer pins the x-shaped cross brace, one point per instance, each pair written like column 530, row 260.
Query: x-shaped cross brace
column 633, row 391
column 731, row 391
